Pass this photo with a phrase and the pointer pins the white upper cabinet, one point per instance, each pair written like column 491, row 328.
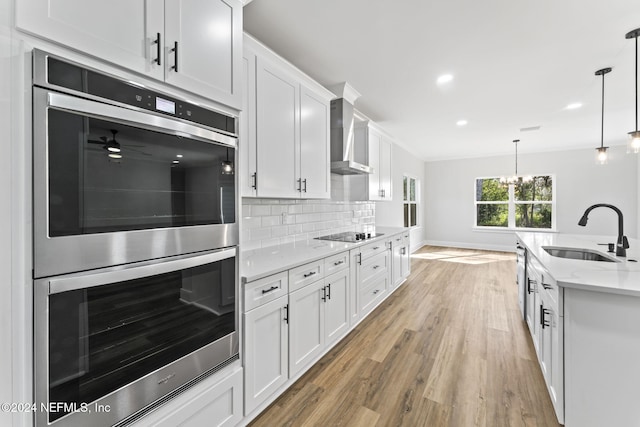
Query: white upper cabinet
column 314, row 146
column 277, row 106
column 142, row 35
column 203, row 43
column 286, row 127
column 378, row 185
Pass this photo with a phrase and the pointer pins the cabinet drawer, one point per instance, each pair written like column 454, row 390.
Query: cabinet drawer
column 304, row 275
column 372, row 249
column 336, row 263
column 550, row 288
column 264, row 290
column 373, row 266
column 372, row 292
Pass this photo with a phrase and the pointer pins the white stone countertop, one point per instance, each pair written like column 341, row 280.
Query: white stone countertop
column 621, row 277
column 258, row 263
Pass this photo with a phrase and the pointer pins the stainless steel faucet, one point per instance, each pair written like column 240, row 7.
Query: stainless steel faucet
column 623, row 243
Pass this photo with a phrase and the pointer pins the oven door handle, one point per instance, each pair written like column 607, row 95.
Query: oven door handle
column 128, row 116
column 123, row 273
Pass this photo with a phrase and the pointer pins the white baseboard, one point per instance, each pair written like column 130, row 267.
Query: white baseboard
column 463, row 245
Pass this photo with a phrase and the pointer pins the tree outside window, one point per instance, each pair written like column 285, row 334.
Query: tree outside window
column 410, row 192
column 528, row 204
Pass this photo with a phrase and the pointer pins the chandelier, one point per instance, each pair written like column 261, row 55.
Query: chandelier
column 515, row 179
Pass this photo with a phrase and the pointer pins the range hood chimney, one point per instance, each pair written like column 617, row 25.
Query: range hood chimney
column 346, row 159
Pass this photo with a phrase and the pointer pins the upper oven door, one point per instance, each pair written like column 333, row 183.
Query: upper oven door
column 114, row 185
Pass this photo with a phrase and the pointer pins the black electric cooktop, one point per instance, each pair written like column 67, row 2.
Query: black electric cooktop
column 350, row 236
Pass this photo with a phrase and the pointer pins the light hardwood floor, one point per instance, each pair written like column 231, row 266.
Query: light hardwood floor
column 446, row 349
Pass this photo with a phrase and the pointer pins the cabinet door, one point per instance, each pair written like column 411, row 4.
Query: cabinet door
column 314, row 146
column 306, row 326
column 208, row 36
column 396, row 264
column 247, row 142
column 529, row 298
column 265, row 351
column 552, row 357
column 406, row 257
column 276, row 131
column 118, row 31
column 385, row 169
column 374, row 140
column 337, row 306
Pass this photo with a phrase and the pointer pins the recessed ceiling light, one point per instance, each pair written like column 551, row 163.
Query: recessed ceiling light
column 461, row 123
column 115, row 155
column 445, row 78
column 179, row 156
column 574, row 106
column 176, row 161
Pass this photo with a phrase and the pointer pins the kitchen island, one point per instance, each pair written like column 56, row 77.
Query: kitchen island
column 584, row 318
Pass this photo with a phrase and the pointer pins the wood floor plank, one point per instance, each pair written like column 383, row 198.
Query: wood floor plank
column 449, row 348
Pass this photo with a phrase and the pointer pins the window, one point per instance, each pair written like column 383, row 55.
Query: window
column 410, row 193
column 529, row 204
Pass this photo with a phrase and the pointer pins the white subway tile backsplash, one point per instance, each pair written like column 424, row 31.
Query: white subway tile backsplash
column 269, row 222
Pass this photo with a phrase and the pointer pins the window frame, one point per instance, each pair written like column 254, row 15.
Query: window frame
column 512, row 203
column 408, row 202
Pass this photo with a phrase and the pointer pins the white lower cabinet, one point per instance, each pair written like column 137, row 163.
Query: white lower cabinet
column 400, row 264
column 544, row 316
column 337, row 306
column 307, row 325
column 267, row 361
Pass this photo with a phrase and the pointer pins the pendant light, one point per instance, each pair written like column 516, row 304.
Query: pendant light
column 601, row 152
column 633, row 146
column 515, row 179
column 227, row 166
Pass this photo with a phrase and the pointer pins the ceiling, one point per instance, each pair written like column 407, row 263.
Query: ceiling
column 516, row 64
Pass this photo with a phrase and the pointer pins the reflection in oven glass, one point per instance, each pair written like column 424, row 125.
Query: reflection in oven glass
column 104, row 337
column 108, row 177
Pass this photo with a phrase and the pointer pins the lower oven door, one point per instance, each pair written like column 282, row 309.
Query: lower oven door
column 111, row 342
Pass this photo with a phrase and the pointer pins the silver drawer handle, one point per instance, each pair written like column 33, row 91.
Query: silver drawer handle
column 309, row 274
column 338, row 262
column 271, row 289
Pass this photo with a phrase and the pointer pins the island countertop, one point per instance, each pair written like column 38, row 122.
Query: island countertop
column 621, row 277
column 258, row 263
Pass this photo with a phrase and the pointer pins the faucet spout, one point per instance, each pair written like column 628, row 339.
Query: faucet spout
column 622, row 244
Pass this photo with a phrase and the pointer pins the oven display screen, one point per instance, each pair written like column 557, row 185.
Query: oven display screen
column 165, row 105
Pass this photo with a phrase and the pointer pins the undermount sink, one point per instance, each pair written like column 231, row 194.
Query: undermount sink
column 576, row 253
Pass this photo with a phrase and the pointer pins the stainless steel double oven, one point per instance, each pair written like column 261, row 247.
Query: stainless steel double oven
column 135, row 244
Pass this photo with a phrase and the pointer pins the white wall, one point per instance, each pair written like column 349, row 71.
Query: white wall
column 449, row 193
column 390, row 213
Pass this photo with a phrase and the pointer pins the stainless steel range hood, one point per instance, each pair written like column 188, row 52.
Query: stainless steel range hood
column 346, row 158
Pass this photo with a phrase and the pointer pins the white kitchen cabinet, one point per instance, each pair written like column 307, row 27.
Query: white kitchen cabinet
column 266, row 351
column 371, row 276
column 277, row 130
column 247, row 149
column 307, row 325
column 142, row 35
column 400, row 259
column 379, row 183
column 203, row 41
column 314, row 145
column 287, row 131
column 336, row 306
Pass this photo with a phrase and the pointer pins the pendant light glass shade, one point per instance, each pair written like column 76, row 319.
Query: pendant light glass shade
column 227, row 166
column 601, row 152
column 633, row 144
